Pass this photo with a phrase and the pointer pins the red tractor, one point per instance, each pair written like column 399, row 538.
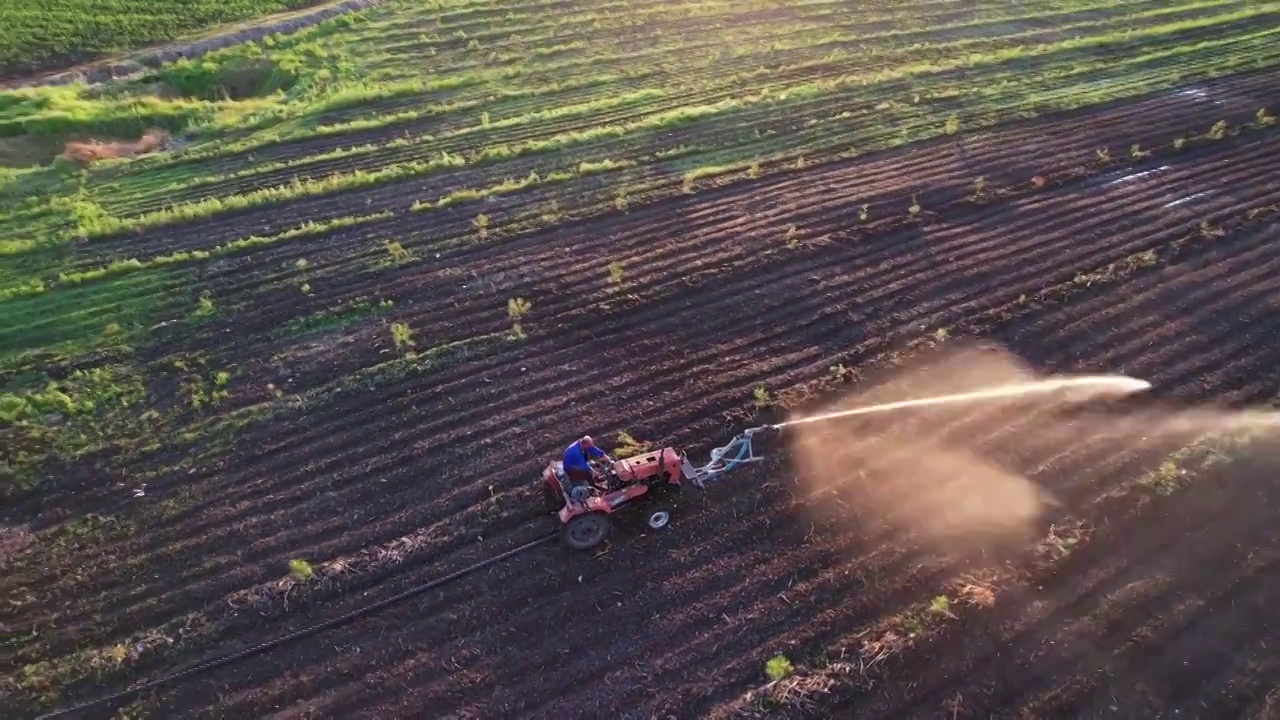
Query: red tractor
column 652, row 476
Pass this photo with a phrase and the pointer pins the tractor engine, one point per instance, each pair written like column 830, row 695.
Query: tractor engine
column 652, row 468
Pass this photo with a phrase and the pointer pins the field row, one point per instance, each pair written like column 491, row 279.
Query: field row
column 506, row 215
column 701, row 81
column 612, row 125
column 508, row 176
column 344, row 267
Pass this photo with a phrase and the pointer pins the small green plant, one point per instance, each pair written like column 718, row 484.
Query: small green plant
column 305, row 288
column 615, row 273
column 205, row 308
column 778, row 668
column 941, row 605
column 621, row 202
column 553, row 213
column 761, row 397
column 301, row 263
column 1059, row 542
column 402, row 336
column 482, row 226
column 800, row 163
column 1103, row 155
column 12, row 407
column 1178, row 143
column 484, row 119
column 1137, row 153
column 301, row 569
column 840, row 373
column 953, row 125
column 864, row 213
column 215, row 395
column 1209, row 231
column 118, row 653
column 398, row 252
column 1165, row 478
column 1219, row 130
column 517, row 308
column 980, row 186
column 753, row 171
column 793, row 237
column 913, row 625
column 1265, row 118
column 915, row 208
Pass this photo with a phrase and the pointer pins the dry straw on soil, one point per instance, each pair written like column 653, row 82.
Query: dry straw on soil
column 88, row 152
column 12, row 541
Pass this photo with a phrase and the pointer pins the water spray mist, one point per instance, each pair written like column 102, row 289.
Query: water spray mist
column 1113, row 384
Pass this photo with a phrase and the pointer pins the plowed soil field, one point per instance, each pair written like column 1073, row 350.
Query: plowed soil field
column 373, row 395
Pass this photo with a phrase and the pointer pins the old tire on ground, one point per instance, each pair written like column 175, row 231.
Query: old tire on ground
column 585, row 531
column 658, row 517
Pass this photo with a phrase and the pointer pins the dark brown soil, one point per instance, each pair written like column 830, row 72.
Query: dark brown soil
column 1071, row 264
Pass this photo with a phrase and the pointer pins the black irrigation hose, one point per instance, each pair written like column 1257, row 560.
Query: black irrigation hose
column 311, row 630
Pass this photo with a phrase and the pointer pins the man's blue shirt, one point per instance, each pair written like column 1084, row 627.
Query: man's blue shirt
column 574, row 457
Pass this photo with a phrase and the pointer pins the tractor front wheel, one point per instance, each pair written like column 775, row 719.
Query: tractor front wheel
column 659, row 517
column 585, row 531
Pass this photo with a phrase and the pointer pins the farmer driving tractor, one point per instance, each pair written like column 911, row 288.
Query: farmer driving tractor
column 577, row 466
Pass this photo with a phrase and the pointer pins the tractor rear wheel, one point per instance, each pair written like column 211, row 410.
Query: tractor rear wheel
column 585, row 531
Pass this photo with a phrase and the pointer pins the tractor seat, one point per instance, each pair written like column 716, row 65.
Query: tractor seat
column 597, row 483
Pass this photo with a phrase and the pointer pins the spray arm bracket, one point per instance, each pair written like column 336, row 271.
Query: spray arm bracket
column 737, row 451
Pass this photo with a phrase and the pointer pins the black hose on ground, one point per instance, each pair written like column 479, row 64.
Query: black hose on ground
column 305, row 632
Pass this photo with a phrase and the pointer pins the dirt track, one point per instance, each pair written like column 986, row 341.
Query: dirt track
column 1093, row 268
column 137, row 62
